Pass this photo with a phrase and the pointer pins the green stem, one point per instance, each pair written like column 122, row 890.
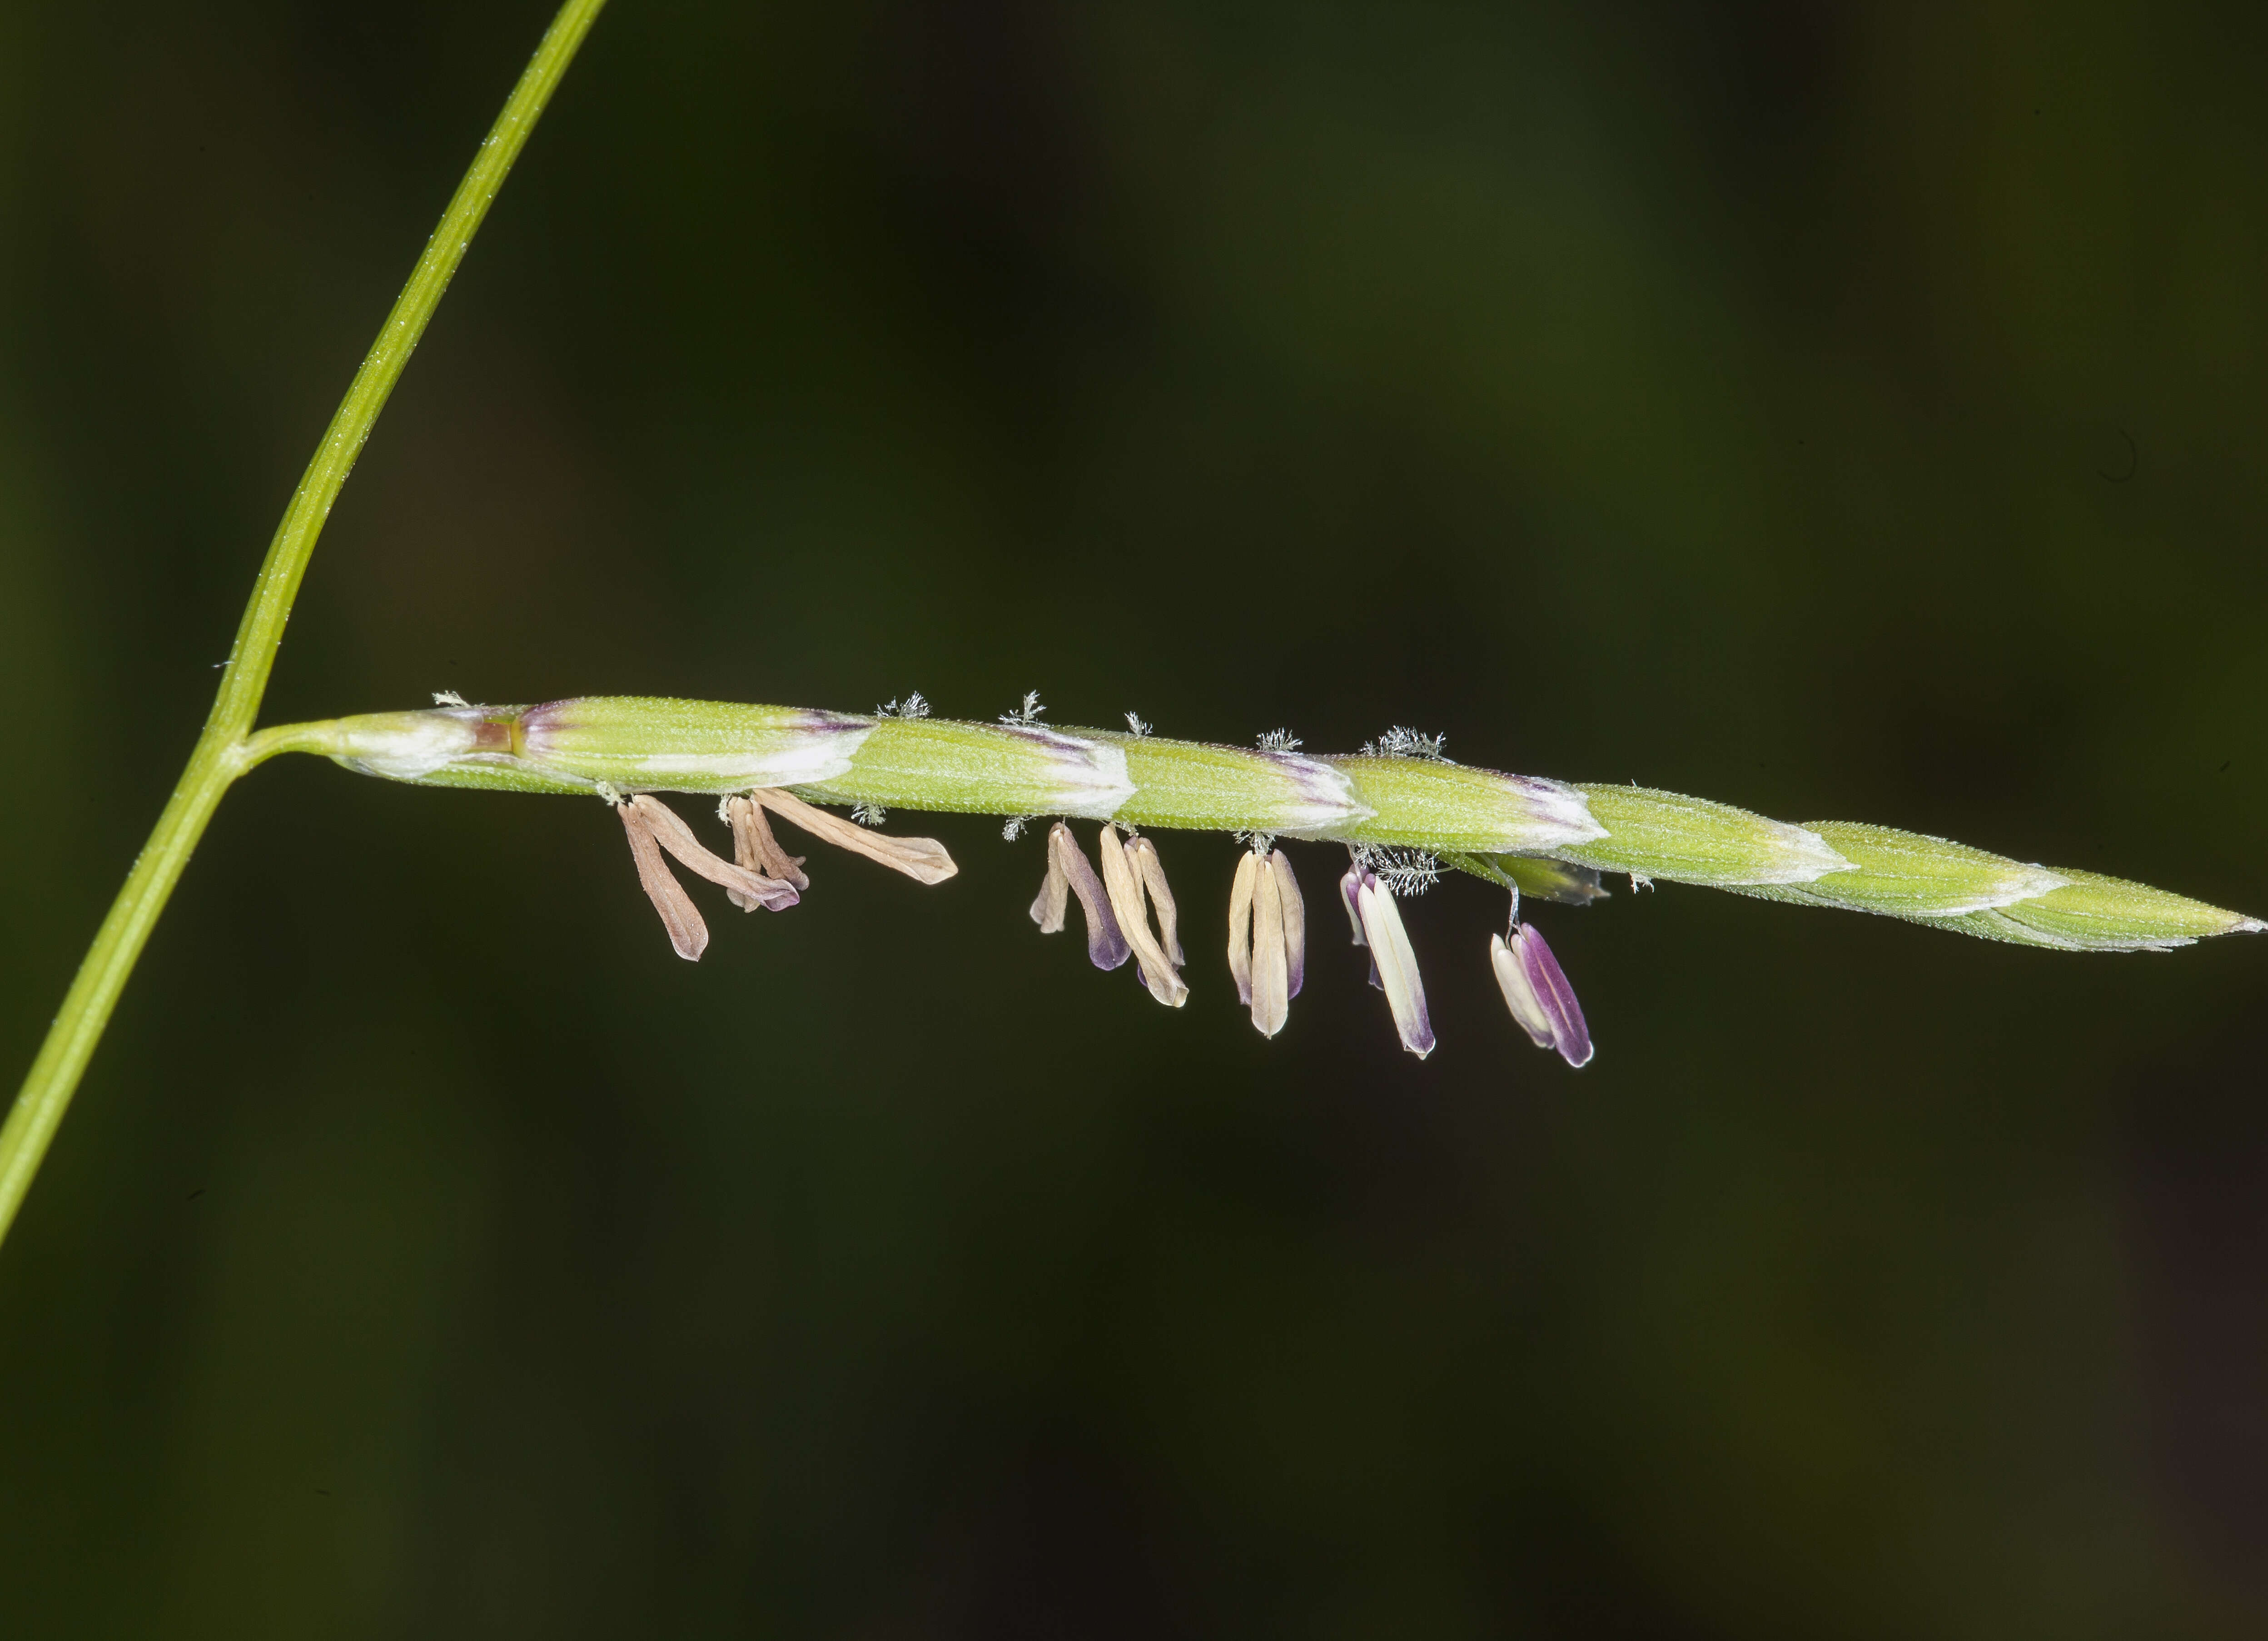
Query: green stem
column 227, row 749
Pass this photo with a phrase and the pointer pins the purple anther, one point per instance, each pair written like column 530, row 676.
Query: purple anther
column 1570, row 1035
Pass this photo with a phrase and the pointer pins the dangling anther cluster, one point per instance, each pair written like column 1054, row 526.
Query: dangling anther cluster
column 1069, row 873
column 1267, row 937
column 761, row 875
column 1268, row 934
column 653, row 826
column 756, row 847
column 1116, row 905
column 1537, row 991
column 1128, row 905
column 1135, row 877
column 1392, row 964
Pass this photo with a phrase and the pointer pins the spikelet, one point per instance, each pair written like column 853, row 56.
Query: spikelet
column 1400, row 802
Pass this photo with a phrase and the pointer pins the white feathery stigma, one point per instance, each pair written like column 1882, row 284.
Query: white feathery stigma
column 1403, row 872
column 1403, row 742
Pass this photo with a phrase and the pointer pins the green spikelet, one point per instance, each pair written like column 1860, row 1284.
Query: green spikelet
column 1546, row 836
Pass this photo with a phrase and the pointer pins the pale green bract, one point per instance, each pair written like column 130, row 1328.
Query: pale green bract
column 1513, row 829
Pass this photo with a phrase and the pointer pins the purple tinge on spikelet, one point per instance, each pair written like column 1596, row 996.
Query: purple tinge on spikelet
column 1570, row 1034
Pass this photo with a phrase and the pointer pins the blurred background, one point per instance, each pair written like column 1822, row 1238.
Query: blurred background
column 1847, row 411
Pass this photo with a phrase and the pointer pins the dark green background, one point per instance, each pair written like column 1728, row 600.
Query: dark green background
column 1849, row 412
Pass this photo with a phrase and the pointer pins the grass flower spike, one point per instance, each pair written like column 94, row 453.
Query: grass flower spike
column 1405, row 812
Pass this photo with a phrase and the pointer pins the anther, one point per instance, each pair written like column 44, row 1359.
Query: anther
column 1105, row 944
column 1267, row 937
column 1271, row 1001
column 688, row 933
column 1123, row 883
column 1295, row 923
column 1240, row 923
column 666, row 829
column 922, row 859
column 1537, row 991
column 1397, row 964
column 1054, row 898
column 757, row 850
column 1143, row 855
column 1349, row 888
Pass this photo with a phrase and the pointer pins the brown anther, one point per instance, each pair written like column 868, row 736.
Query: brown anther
column 687, row 934
column 757, row 850
column 671, row 832
column 922, row 859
